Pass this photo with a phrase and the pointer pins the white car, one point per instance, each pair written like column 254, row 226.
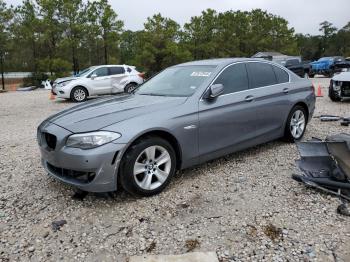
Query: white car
column 339, row 87
column 98, row 80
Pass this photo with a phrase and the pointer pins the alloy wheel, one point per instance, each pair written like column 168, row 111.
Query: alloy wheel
column 297, row 124
column 152, row 167
column 79, row 95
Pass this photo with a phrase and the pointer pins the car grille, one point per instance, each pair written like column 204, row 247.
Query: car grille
column 51, row 140
column 346, row 89
column 76, row 176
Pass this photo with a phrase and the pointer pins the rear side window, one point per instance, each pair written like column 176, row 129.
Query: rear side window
column 261, row 74
column 116, row 70
column 281, row 75
column 234, row 78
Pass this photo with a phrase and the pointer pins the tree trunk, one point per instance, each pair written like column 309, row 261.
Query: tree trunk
column 105, row 48
column 2, row 70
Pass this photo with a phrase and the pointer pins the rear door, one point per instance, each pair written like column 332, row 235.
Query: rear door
column 118, row 78
column 101, row 83
column 227, row 123
column 271, row 88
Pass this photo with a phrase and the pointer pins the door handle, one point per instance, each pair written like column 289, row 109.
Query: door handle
column 249, row 98
column 286, row 90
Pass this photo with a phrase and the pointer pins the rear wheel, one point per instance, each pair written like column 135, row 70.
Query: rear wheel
column 296, row 124
column 79, row 94
column 130, row 88
column 148, row 166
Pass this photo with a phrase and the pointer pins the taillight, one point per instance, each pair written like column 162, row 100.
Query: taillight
column 142, row 75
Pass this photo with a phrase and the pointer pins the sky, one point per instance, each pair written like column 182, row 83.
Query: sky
column 304, row 15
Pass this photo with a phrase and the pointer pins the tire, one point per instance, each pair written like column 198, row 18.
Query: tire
column 140, row 172
column 129, row 88
column 296, row 124
column 333, row 96
column 311, row 75
column 79, row 94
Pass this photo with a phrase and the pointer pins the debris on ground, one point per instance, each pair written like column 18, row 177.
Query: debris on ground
column 325, row 165
column 191, row 244
column 344, row 121
column 151, row 247
column 343, row 209
column 28, row 88
column 56, row 225
column 273, row 232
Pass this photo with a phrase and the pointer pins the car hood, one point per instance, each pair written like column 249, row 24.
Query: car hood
column 65, row 79
column 344, row 76
column 100, row 113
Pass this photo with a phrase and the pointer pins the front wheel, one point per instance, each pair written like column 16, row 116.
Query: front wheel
column 148, row 166
column 296, row 124
column 78, row 94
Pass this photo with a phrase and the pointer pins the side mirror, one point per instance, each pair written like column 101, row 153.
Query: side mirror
column 93, row 76
column 216, row 90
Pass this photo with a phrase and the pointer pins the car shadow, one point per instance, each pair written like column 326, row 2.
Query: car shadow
column 182, row 176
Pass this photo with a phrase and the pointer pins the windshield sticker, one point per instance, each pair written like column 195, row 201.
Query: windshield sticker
column 201, row 74
column 193, row 87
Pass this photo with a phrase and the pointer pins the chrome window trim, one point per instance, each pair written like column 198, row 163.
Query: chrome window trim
column 240, row 62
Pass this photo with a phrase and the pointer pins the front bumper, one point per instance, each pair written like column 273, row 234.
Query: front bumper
column 60, row 92
column 93, row 170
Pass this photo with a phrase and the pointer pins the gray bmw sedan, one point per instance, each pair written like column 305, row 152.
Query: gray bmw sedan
column 184, row 116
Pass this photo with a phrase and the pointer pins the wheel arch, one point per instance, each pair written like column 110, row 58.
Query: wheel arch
column 166, row 135
column 303, row 105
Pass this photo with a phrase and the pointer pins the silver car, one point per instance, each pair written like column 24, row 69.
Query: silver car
column 184, row 116
column 98, row 80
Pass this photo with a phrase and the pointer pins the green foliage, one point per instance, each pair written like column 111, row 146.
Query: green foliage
column 238, row 34
column 160, row 45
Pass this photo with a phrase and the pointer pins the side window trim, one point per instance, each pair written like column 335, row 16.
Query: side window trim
column 226, row 68
column 245, row 63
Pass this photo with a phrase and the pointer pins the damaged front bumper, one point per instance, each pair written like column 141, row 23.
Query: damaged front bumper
column 341, row 89
column 326, row 164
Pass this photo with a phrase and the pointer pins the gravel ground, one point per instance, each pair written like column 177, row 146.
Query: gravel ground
column 244, row 206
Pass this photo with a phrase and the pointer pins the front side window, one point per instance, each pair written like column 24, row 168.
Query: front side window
column 234, row 78
column 177, row 81
column 116, row 70
column 261, row 74
column 281, row 75
column 102, row 71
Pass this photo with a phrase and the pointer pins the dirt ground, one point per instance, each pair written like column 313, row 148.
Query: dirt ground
column 244, row 206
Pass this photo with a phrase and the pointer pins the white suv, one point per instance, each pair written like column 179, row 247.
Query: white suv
column 98, row 80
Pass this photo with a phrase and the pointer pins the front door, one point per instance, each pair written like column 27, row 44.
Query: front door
column 100, row 81
column 228, row 123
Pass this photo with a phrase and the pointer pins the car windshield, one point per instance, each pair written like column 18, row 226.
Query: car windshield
column 325, row 58
column 177, row 81
column 85, row 71
column 280, row 61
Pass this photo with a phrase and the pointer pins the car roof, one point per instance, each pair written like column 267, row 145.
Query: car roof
column 220, row 61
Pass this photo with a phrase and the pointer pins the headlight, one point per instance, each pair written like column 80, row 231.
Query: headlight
column 63, row 84
column 336, row 88
column 91, row 140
